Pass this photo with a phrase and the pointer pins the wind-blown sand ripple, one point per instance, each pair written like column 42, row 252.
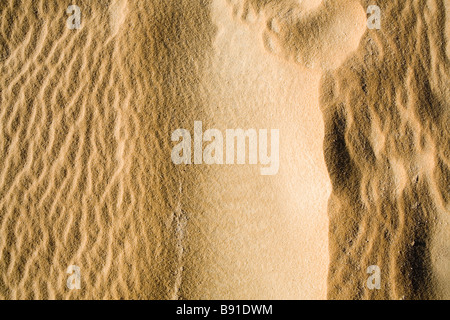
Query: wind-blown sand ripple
column 66, row 196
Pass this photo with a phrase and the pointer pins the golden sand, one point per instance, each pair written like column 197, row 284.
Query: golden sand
column 87, row 180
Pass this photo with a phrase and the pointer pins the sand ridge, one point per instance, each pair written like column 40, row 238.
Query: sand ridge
column 387, row 118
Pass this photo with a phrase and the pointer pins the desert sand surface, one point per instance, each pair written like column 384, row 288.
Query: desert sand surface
column 87, row 117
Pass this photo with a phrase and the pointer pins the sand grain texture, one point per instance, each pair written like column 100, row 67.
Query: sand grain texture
column 86, row 177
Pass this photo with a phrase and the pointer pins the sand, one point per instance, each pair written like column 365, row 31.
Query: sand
column 87, row 180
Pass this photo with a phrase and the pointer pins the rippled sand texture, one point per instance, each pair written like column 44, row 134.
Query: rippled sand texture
column 387, row 148
column 81, row 160
column 86, row 177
